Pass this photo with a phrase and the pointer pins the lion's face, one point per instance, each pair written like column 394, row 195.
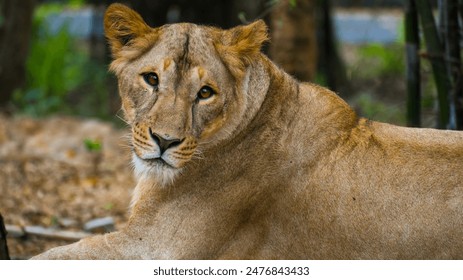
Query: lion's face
column 181, row 86
column 176, row 99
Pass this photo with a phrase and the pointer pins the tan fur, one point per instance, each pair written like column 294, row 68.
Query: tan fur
column 269, row 168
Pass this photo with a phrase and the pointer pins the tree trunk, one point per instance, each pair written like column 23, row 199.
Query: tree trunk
column 15, row 30
column 412, row 46
column 436, row 55
column 294, row 45
column 330, row 64
column 460, row 9
column 451, row 39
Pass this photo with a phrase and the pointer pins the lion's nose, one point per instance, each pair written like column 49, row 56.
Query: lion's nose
column 166, row 142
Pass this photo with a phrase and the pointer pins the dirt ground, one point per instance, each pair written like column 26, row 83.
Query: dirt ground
column 60, row 173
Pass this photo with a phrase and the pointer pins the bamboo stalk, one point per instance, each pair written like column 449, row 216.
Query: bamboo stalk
column 453, row 62
column 436, row 55
column 412, row 45
column 460, row 9
column 332, row 64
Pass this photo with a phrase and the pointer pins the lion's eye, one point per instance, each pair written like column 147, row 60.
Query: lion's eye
column 151, row 79
column 205, row 92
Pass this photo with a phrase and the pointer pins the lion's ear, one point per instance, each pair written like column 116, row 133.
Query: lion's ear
column 241, row 44
column 122, row 26
column 246, row 40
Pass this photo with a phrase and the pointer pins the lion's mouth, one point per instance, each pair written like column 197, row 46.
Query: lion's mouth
column 154, row 161
column 158, row 168
column 157, row 162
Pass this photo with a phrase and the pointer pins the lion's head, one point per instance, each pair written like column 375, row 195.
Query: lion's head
column 183, row 86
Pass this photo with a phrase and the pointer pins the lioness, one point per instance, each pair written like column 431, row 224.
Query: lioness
column 235, row 159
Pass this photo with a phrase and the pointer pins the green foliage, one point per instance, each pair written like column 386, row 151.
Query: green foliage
column 374, row 109
column 52, row 72
column 320, row 79
column 401, row 33
column 429, row 94
column 60, row 74
column 380, row 60
column 428, row 98
column 76, row 3
column 54, row 221
column 108, row 206
column 292, row 4
column 92, row 145
column 428, row 86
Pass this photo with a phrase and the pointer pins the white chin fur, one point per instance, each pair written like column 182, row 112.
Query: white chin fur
column 149, row 176
column 161, row 174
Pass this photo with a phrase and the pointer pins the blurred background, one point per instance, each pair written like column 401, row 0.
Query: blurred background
column 53, row 55
column 63, row 160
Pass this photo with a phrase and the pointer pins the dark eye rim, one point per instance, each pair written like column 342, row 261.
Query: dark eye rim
column 210, row 89
column 146, row 77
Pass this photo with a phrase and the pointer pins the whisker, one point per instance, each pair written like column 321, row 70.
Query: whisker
column 122, row 118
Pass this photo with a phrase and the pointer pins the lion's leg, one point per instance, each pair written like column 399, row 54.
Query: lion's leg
column 108, row 246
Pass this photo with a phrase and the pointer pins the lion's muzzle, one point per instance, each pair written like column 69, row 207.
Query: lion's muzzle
column 164, row 142
column 158, row 148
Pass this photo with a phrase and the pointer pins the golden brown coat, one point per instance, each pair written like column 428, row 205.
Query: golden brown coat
column 266, row 167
